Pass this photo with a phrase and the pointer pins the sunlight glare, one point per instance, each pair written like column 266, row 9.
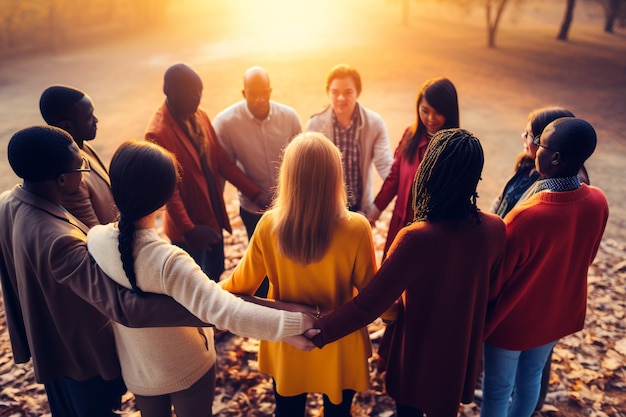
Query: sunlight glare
column 284, row 25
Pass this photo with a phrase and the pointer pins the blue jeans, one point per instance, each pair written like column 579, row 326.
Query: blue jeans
column 512, row 373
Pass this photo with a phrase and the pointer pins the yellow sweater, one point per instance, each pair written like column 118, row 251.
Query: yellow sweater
column 348, row 266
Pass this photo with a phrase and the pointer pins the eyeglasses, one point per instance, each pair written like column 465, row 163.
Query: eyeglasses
column 537, row 142
column 85, row 167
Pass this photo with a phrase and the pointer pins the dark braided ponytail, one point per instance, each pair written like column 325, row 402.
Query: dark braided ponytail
column 143, row 177
column 444, row 187
column 125, row 245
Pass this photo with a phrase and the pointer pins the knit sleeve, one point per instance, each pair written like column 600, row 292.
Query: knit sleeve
column 183, row 279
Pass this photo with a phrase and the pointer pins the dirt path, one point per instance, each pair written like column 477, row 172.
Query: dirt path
column 497, row 88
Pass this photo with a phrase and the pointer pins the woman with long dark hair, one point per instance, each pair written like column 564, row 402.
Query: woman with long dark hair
column 437, row 107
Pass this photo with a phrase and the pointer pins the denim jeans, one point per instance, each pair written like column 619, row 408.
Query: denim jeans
column 512, row 373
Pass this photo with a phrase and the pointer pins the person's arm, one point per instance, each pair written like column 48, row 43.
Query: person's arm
column 72, row 265
column 250, row 271
column 221, row 129
column 382, row 157
column 183, row 279
column 229, row 170
column 384, row 289
column 388, row 190
column 296, row 128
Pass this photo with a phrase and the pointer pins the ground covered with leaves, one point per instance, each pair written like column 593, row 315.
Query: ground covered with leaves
column 588, row 371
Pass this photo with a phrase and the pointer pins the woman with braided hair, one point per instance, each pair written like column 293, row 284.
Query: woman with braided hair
column 442, row 266
column 171, row 365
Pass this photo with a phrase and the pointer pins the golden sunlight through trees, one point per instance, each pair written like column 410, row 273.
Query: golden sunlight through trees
column 286, row 25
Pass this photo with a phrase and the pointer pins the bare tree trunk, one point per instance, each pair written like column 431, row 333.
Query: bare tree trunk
column 492, row 27
column 567, row 20
column 611, row 10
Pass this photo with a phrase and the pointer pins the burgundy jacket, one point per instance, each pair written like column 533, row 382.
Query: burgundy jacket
column 191, row 203
column 443, row 270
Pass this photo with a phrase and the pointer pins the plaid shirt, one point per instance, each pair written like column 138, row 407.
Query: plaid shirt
column 346, row 141
column 558, row 184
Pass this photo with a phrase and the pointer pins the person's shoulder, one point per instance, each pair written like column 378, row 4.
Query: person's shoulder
column 285, row 108
column 371, row 114
column 493, row 224
column 233, row 111
column 357, row 221
column 159, row 121
column 594, row 191
column 102, row 230
column 325, row 112
column 266, row 221
column 6, row 195
column 491, row 219
column 373, row 122
column 368, row 111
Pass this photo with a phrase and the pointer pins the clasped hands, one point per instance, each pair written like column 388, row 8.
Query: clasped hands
column 303, row 341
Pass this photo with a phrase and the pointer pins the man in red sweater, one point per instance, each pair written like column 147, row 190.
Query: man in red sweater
column 541, row 296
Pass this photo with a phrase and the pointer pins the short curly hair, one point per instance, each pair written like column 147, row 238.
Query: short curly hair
column 57, row 103
column 40, row 153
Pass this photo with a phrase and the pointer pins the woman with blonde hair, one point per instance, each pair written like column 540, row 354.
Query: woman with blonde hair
column 313, row 251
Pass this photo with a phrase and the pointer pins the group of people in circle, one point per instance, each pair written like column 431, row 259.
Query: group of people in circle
column 465, row 292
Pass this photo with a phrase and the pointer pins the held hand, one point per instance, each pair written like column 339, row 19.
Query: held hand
column 299, row 342
column 311, row 333
column 201, row 237
column 372, row 215
column 308, row 320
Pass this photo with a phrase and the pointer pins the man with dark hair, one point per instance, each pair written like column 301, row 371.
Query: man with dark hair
column 541, row 296
column 196, row 213
column 57, row 300
column 359, row 133
column 71, row 110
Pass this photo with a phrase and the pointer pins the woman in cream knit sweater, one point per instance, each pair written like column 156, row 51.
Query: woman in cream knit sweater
column 173, row 365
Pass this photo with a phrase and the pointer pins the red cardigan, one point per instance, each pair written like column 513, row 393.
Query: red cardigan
column 443, row 270
column 191, row 204
column 541, row 294
column 399, row 182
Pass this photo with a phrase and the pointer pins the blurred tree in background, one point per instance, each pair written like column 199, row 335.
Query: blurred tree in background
column 35, row 25
column 614, row 13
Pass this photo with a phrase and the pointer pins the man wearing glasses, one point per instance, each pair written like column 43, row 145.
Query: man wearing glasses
column 541, row 295
column 72, row 110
